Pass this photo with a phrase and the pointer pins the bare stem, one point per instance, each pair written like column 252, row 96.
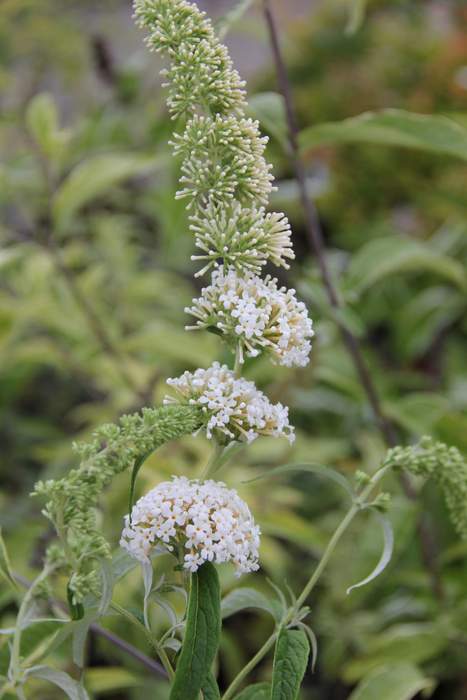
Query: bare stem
column 316, row 244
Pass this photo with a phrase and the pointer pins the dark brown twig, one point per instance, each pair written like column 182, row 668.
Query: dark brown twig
column 316, row 243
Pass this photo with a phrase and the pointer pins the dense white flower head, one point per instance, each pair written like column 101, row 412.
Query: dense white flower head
column 205, row 521
column 245, row 239
column 236, row 408
column 255, row 315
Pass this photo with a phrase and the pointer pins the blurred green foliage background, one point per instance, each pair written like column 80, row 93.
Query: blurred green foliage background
column 95, row 272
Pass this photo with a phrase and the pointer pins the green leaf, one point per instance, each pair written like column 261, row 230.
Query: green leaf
column 386, row 554
column 405, row 643
column 258, row 691
column 108, row 679
column 93, row 178
column 225, row 23
column 5, row 566
column 202, row 634
column 392, row 682
column 268, row 108
column 242, row 598
column 390, row 255
column 392, row 127
column 210, row 688
column 318, row 469
column 290, row 662
column 417, row 412
column 42, row 123
column 62, row 680
column 356, row 17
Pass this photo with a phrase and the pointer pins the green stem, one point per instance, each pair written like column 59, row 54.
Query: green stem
column 160, row 651
column 250, row 666
column 342, row 527
column 214, row 461
column 238, row 365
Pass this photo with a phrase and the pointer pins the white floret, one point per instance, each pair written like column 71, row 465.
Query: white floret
column 205, row 521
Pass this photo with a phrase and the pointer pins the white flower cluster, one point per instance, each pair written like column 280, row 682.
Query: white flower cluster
column 205, row 521
column 245, row 239
column 256, row 315
column 236, row 409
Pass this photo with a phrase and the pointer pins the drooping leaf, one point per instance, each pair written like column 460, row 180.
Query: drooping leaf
column 107, row 585
column 392, row 127
column 93, row 178
column 386, row 554
column 202, row 634
column 382, row 257
column 72, row 689
column 356, row 16
column 318, row 469
column 242, row 598
column 225, row 23
column 80, row 635
column 290, row 662
column 257, row 691
column 268, row 108
column 392, row 682
column 5, row 566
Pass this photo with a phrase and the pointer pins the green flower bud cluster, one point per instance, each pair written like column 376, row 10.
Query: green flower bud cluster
column 72, row 500
column 224, row 171
column 201, row 75
column 445, row 465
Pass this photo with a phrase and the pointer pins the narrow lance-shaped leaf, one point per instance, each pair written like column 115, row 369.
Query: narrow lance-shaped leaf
column 93, row 177
column 62, row 680
column 290, row 662
column 5, row 566
column 242, row 598
column 392, row 682
column 225, row 23
column 202, row 634
column 318, row 469
column 392, row 127
column 386, row 554
column 393, row 255
column 356, row 17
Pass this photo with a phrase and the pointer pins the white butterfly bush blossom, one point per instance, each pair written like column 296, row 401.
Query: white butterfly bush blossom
column 236, row 409
column 256, row 315
column 226, row 181
column 199, row 521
